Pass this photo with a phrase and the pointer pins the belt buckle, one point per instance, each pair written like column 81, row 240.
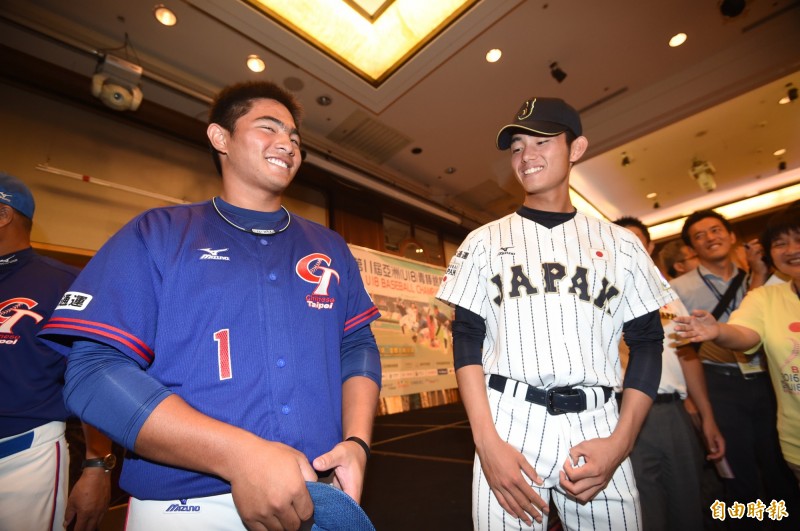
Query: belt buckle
column 549, row 400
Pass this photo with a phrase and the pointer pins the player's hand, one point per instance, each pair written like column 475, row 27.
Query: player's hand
column 349, row 462
column 506, row 470
column 699, row 326
column 88, row 501
column 715, row 442
column 269, row 487
column 600, row 457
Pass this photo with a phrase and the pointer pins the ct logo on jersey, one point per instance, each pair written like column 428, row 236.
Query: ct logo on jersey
column 316, row 269
column 11, row 311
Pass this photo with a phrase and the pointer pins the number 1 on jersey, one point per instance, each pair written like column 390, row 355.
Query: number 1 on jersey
column 222, row 337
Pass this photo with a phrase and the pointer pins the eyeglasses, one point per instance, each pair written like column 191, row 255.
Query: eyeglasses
column 693, row 257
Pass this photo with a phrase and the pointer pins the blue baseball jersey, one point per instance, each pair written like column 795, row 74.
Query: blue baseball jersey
column 246, row 328
column 33, row 373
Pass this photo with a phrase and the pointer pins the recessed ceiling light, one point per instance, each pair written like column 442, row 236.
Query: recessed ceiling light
column 784, row 100
column 324, row 100
column 255, row 63
column 652, row 195
column 494, row 55
column 780, row 152
column 450, row 170
column 165, row 15
column 677, row 40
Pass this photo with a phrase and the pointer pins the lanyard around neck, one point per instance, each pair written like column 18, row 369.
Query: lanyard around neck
column 732, row 304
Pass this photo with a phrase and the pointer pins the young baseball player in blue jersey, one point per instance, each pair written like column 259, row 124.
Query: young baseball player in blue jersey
column 227, row 343
column 34, row 461
column 542, row 297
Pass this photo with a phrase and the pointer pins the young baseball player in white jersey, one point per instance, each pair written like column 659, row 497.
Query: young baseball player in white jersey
column 542, row 297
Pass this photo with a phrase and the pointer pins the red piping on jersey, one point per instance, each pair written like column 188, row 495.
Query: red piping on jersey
column 140, row 348
column 360, row 318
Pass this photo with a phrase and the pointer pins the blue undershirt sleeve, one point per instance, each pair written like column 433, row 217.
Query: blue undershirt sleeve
column 644, row 336
column 360, row 356
column 110, row 391
column 469, row 331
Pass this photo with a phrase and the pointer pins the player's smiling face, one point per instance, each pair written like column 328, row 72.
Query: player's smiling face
column 542, row 163
column 262, row 154
column 711, row 240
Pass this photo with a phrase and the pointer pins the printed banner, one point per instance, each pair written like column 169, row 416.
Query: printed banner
column 414, row 333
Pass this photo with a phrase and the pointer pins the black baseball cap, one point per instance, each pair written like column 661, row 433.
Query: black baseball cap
column 541, row 116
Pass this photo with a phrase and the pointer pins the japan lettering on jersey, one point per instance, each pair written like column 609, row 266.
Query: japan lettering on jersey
column 553, row 299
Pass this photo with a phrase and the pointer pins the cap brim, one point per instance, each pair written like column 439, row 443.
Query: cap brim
column 336, row 511
column 535, row 128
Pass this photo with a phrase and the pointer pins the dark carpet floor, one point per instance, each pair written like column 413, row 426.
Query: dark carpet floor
column 420, row 474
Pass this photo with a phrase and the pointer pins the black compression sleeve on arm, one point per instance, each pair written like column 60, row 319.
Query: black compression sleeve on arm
column 645, row 339
column 469, row 331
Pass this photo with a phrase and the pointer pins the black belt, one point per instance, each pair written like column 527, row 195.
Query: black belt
column 732, row 371
column 557, row 401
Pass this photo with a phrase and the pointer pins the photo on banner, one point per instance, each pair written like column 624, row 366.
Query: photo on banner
column 414, row 333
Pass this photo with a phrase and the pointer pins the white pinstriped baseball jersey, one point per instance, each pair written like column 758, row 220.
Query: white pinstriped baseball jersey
column 554, row 300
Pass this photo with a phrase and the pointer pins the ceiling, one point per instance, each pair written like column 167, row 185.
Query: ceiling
column 714, row 98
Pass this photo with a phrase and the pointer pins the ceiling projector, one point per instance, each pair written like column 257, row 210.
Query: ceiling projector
column 703, row 172
column 116, row 83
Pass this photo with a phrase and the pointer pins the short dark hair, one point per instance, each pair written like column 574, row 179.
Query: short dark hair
column 234, row 101
column 783, row 222
column 630, row 221
column 570, row 137
column 699, row 216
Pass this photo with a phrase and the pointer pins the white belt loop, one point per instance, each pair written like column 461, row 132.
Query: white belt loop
column 595, row 397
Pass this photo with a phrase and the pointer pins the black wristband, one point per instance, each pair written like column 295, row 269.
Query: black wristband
column 359, row 441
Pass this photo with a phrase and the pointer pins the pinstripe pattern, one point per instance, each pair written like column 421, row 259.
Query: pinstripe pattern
column 554, row 302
